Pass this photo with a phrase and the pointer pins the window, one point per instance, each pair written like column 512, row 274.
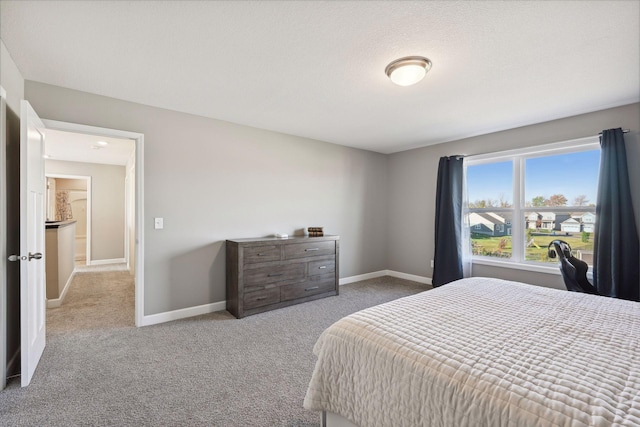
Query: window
column 519, row 201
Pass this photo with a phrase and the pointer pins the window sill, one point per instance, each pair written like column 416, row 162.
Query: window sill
column 538, row 268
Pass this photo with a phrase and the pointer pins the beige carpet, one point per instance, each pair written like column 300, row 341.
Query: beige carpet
column 99, row 297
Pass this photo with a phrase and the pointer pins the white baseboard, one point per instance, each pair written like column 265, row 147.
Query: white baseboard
column 168, row 316
column 359, row 277
column 375, row 274
column 412, row 277
column 53, row 303
column 106, row 261
column 183, row 313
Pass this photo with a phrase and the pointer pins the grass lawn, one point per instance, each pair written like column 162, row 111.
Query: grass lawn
column 490, row 246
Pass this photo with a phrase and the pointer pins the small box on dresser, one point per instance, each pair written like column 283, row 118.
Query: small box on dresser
column 268, row 273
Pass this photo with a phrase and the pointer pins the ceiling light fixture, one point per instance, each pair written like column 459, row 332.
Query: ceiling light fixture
column 409, row 70
column 99, row 145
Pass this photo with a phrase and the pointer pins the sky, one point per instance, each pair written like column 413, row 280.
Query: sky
column 570, row 174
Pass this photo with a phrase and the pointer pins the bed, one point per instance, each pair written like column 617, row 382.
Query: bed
column 482, row 352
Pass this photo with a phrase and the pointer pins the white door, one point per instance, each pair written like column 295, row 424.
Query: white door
column 32, row 269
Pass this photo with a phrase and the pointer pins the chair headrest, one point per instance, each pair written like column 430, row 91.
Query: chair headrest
column 559, row 248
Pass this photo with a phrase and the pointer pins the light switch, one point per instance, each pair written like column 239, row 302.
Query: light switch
column 158, row 223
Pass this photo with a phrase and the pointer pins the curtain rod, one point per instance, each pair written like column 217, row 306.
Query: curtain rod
column 623, row 131
column 462, row 156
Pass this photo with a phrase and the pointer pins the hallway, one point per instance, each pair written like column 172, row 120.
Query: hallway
column 100, row 297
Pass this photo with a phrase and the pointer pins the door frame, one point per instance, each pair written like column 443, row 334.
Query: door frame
column 88, row 219
column 129, row 211
column 138, row 139
column 3, row 240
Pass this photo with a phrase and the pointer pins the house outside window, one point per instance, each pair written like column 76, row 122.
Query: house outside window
column 521, row 200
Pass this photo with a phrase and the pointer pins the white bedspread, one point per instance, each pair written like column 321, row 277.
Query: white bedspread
column 483, row 352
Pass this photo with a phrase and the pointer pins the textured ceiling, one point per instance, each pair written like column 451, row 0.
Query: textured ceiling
column 316, row 69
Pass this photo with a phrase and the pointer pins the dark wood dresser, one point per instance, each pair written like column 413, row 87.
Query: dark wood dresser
column 268, row 273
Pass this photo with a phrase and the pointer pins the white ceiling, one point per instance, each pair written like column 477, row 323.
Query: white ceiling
column 316, row 69
column 77, row 147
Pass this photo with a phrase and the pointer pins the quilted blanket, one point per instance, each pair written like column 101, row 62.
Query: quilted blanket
column 483, row 352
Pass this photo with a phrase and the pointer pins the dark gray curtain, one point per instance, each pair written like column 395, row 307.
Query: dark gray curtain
column 616, row 266
column 448, row 253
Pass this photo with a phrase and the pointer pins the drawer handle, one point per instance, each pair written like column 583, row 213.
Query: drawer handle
column 274, row 275
column 312, row 288
column 260, row 254
column 260, row 298
column 322, row 266
column 312, row 249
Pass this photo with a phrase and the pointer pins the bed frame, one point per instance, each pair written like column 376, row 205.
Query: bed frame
column 329, row 419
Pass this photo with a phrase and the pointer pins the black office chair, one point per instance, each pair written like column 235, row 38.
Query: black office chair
column 574, row 271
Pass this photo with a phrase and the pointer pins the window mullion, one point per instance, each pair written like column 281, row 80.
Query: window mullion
column 517, row 235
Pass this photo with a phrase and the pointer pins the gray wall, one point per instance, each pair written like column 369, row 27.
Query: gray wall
column 212, row 180
column 11, row 79
column 413, row 174
column 107, row 204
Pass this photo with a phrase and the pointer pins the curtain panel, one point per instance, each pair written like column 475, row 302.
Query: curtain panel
column 616, row 266
column 449, row 248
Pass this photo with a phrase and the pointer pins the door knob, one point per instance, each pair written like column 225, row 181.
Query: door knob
column 37, row 255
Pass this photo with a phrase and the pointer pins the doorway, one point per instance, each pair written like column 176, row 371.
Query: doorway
column 11, row 165
column 132, row 212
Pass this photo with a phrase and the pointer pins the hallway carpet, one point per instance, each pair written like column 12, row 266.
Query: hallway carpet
column 99, row 297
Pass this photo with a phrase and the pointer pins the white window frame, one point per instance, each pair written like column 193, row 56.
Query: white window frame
column 518, row 158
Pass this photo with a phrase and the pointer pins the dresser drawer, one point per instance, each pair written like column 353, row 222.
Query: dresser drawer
column 313, row 286
column 257, row 254
column 272, row 274
column 322, row 267
column 301, row 250
column 261, row 298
